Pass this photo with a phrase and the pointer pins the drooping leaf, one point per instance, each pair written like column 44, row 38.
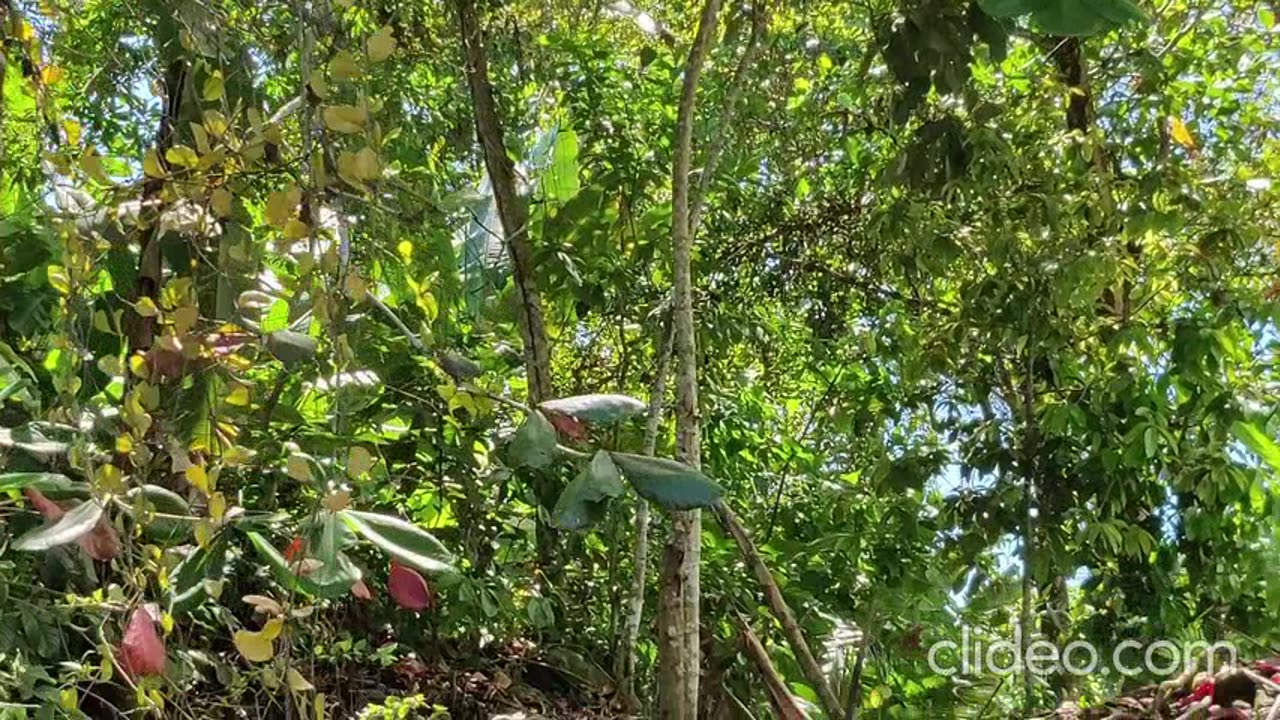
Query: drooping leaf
column 192, row 578
column 408, row 588
column 534, row 444
column 167, row 515
column 582, row 502
column 1118, row 12
column 1258, row 441
column 75, row 524
column 291, row 348
column 255, row 646
column 1007, row 8
column 603, row 409
column 141, row 652
column 672, row 485
column 403, row 540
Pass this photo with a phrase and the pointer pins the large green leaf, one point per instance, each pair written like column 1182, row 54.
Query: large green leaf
column 534, row 444
column 581, row 504
column 53, row 485
column 291, row 348
column 671, row 484
column 78, row 521
column 188, row 586
column 1007, row 8
column 596, row 409
column 167, row 517
column 1258, row 441
column 1067, row 17
column 1118, row 11
column 337, row 571
column 406, row 542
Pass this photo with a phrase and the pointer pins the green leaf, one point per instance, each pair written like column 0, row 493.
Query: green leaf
column 408, row 543
column 188, row 588
column 1257, row 441
column 78, row 521
column 1118, row 12
column 291, row 348
column 1007, row 8
column 168, row 520
column 534, row 444
column 596, row 409
column 671, row 484
column 279, row 566
column 54, row 485
column 581, row 503
column 1067, row 17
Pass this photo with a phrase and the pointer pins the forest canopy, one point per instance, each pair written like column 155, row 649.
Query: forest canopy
column 638, row 358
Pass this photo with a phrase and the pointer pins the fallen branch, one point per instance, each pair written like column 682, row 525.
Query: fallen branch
column 778, row 606
column 784, row 704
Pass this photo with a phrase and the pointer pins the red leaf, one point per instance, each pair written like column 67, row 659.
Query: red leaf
column 102, row 543
column 408, row 588
column 48, row 508
column 294, row 548
column 569, row 426
column 141, row 652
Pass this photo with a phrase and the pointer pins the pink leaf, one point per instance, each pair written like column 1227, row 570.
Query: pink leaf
column 141, row 652
column 48, row 508
column 361, row 591
column 408, row 588
column 569, row 426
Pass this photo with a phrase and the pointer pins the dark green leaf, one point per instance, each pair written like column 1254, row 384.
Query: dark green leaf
column 671, row 484
column 534, row 444
column 581, row 504
column 166, row 516
column 406, row 542
column 1007, row 8
column 54, row 485
column 291, row 348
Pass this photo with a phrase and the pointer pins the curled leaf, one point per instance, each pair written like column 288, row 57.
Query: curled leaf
column 408, row 588
column 141, row 651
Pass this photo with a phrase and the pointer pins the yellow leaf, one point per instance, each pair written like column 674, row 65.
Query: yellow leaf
column 343, row 66
column 185, row 318
column 281, row 206
column 91, row 164
column 381, row 44
column 52, row 74
column 215, row 122
column 198, row 478
column 359, row 461
column 213, row 86
column 239, row 395
column 111, row 365
column 1181, row 134
column 299, row 468
column 296, row 682
column 295, row 229
column 151, row 166
column 272, row 629
column 220, row 202
column 202, row 138
column 138, row 365
column 182, row 156
column 319, row 704
column 124, row 444
column 59, row 279
column 146, row 307
column 254, row 646
column 367, row 166
column 73, row 130
column 345, row 118
column 204, row 533
column 318, row 85
column 217, row 506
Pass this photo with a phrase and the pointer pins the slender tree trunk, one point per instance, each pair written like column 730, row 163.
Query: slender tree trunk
column 778, row 606
column 511, row 208
column 1027, row 459
column 625, row 670
column 679, row 648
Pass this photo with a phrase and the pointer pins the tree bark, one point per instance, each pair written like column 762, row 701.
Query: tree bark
column 679, row 648
column 778, row 606
column 784, row 704
column 625, row 670
column 511, row 208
